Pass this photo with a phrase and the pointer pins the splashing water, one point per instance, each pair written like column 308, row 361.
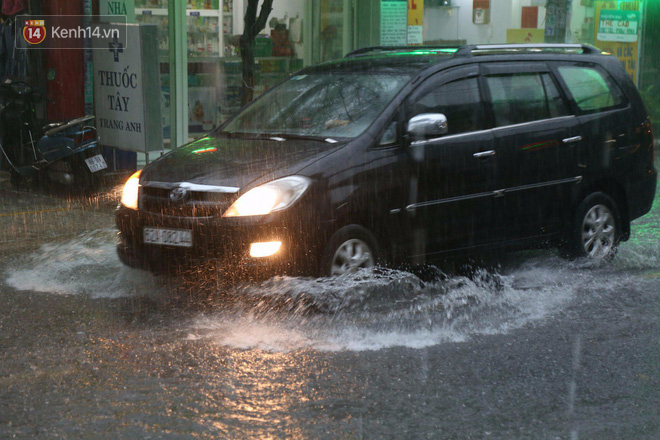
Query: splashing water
column 371, row 311
column 86, row 265
column 360, row 311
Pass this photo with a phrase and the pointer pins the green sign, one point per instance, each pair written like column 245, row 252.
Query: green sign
column 619, row 26
column 118, row 7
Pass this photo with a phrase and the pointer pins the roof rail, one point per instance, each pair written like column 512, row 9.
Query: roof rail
column 377, row 49
column 486, row 49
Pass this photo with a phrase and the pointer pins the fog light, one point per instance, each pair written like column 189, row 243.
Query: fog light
column 265, row 249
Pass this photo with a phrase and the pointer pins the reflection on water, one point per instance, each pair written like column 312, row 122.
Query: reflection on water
column 362, row 311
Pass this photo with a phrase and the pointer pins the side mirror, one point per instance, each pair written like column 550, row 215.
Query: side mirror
column 427, row 125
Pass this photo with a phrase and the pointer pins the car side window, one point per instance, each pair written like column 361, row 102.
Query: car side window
column 592, row 89
column 458, row 100
column 389, row 137
column 518, row 98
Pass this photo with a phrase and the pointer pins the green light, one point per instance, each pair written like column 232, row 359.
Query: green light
column 205, row 150
column 421, row 52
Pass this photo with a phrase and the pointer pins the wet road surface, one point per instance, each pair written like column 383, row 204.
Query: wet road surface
column 535, row 348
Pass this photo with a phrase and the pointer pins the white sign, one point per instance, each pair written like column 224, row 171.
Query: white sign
column 415, row 34
column 479, row 16
column 124, row 93
column 393, row 22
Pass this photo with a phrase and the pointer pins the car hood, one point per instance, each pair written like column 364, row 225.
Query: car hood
column 235, row 162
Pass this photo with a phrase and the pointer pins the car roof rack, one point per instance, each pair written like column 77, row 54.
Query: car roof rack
column 432, row 50
column 489, row 49
column 480, row 49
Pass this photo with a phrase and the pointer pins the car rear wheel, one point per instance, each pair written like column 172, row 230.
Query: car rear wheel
column 350, row 248
column 596, row 229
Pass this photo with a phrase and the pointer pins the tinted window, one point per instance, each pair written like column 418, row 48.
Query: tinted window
column 591, row 89
column 524, row 97
column 459, row 101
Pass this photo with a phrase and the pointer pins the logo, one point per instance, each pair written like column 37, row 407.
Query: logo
column 70, row 32
column 34, row 31
column 178, row 195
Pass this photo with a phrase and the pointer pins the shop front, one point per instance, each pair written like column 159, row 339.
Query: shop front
column 199, row 66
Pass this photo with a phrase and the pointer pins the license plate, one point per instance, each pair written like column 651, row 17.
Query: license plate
column 168, row 237
column 96, row 163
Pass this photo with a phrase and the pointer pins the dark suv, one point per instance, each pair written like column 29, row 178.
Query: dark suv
column 404, row 155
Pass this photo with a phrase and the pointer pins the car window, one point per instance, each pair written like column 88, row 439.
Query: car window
column 458, row 100
column 320, row 104
column 518, row 98
column 592, row 89
column 389, row 137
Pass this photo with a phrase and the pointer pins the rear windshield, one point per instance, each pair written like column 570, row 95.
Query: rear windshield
column 320, row 104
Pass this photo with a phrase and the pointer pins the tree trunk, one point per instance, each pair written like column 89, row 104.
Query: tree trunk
column 247, row 58
column 253, row 26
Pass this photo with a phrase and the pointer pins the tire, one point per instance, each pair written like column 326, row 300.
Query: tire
column 90, row 182
column 84, row 181
column 596, row 229
column 349, row 249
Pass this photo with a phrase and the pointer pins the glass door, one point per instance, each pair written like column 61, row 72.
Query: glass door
column 331, row 29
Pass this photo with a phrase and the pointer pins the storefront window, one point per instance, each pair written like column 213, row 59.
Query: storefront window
column 213, row 29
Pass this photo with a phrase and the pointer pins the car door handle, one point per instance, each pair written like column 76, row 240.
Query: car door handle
column 571, row 140
column 484, row 154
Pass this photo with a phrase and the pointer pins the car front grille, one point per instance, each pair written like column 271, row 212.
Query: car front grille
column 196, row 203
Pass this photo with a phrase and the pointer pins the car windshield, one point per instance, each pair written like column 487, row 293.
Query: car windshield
column 320, row 104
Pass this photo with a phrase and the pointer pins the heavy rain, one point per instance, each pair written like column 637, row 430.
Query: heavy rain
column 371, row 328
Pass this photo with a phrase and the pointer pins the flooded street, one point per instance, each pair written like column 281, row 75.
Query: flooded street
column 534, row 348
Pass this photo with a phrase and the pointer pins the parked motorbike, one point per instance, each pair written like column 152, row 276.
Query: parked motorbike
column 65, row 152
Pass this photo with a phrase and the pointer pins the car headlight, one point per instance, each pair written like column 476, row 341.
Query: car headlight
column 129, row 195
column 269, row 197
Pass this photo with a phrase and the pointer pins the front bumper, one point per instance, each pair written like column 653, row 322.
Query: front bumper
column 225, row 241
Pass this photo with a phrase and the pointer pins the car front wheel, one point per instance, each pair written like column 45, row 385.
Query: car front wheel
column 349, row 249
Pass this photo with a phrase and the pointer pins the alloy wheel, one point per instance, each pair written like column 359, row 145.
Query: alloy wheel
column 598, row 232
column 350, row 256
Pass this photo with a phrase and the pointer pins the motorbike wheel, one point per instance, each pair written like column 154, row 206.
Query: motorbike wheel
column 86, row 181
column 17, row 180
